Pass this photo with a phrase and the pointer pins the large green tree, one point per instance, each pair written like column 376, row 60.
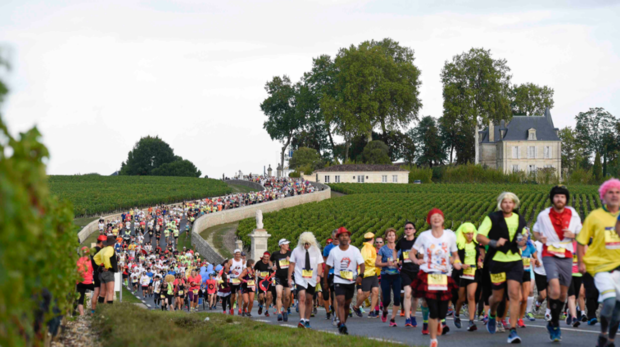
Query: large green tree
column 376, row 85
column 572, row 152
column 530, row 99
column 284, row 119
column 376, row 152
column 476, row 90
column 182, row 167
column 147, row 154
column 595, row 133
column 430, row 147
column 305, row 157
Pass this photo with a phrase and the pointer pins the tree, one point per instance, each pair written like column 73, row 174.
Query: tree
column 182, row 167
column 305, row 157
column 476, row 90
column 595, row 132
column 597, row 171
column 457, row 138
column 284, row 121
column 530, row 99
column 572, row 152
column 376, row 84
column 376, row 152
column 148, row 153
column 429, row 143
column 409, row 147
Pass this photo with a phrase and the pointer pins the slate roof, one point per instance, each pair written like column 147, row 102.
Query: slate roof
column 517, row 129
column 361, row 167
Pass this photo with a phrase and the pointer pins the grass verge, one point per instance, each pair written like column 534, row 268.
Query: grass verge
column 128, row 297
column 217, row 241
column 124, row 325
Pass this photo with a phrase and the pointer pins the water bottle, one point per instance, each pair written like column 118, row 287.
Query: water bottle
column 519, row 237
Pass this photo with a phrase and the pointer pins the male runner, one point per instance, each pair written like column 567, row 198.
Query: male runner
column 408, row 273
column 602, row 260
column 236, row 266
column 345, row 259
column 281, row 261
column 328, row 290
column 370, row 283
column 263, row 270
column 556, row 227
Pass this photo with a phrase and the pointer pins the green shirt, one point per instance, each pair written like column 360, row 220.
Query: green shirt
column 513, row 225
column 470, row 254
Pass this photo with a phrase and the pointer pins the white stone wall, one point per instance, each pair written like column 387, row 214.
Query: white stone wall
column 352, row 176
column 524, row 160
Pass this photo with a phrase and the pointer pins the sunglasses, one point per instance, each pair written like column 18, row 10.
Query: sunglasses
column 408, row 228
column 379, row 241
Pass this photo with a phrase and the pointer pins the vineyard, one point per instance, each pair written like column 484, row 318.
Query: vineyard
column 375, row 207
column 92, row 195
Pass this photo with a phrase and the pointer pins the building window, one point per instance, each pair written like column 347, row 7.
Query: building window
column 337, row 178
column 515, row 168
column 360, row 179
column 384, row 179
column 326, row 179
column 515, row 152
column 547, row 152
column 532, row 135
column 532, row 168
column 395, row 178
column 531, row 152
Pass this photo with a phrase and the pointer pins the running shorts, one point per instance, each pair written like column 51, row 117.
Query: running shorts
column 345, row 289
column 575, row 286
column 501, row 272
column 145, row 287
column 608, row 285
column 106, row 276
column 235, row 288
column 309, row 290
column 246, row 289
column 407, row 277
column 527, row 276
column 541, row 282
column 282, row 281
column 369, row 282
column 464, row 282
column 560, row 268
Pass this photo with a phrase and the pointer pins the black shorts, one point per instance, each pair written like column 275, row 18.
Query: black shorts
column 527, row 276
column 234, row 288
column 463, row 282
column 282, row 281
column 501, row 272
column 368, row 283
column 575, row 286
column 145, row 287
column 406, row 277
column 246, row 289
column 344, row 289
column 541, row 282
column 309, row 290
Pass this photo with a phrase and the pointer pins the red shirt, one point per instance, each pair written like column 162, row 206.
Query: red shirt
column 196, row 279
column 559, row 221
column 211, row 286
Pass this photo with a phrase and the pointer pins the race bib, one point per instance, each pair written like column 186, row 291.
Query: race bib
column 347, row 275
column 263, row 274
column 559, row 252
column 180, row 292
column 284, row 263
column 575, row 259
column 498, row 278
column 306, row 273
column 195, row 291
column 235, row 281
column 526, row 263
column 469, row 273
column 612, row 241
column 251, row 283
column 437, row 282
column 406, row 257
column 162, row 296
column 156, row 291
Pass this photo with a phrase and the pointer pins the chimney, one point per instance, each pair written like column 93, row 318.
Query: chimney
column 491, row 132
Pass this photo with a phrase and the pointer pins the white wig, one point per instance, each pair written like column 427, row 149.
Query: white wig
column 307, row 237
column 507, row 195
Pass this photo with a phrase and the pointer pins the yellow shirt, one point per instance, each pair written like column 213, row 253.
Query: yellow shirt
column 604, row 253
column 470, row 254
column 103, row 257
column 369, row 253
column 513, row 225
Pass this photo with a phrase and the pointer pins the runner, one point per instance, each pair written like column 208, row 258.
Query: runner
column 194, row 287
column 236, row 266
column 328, row 290
column 345, row 260
column 390, row 275
column 501, row 231
column 248, row 286
column 540, row 277
column 85, row 270
column 433, row 283
column 408, row 273
column 223, row 292
column 101, row 239
column 602, row 260
column 306, row 267
column 574, row 291
column 556, row 227
column 107, row 264
column 211, row 291
column 262, row 271
column 469, row 251
column 528, row 254
column 370, row 283
column 280, row 261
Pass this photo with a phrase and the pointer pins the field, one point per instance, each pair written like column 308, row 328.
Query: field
column 375, row 207
column 92, row 195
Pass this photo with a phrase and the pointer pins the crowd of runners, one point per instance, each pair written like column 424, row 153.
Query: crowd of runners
column 499, row 274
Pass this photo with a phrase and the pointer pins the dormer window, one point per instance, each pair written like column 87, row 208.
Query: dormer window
column 531, row 135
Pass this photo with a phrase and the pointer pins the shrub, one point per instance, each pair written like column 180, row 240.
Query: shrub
column 423, row 174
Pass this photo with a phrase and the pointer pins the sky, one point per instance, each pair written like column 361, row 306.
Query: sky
column 96, row 76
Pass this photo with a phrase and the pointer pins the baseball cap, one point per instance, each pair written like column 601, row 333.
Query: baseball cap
column 102, row 238
column 369, row 235
column 237, row 251
column 342, row 230
column 283, row 242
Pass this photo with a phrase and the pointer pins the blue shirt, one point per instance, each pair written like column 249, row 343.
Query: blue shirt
column 150, row 274
column 326, row 251
column 385, row 252
column 529, row 250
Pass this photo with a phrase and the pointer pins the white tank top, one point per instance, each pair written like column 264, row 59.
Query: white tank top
column 236, row 268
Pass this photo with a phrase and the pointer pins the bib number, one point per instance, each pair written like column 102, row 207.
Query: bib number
column 284, row 263
column 438, row 282
column 346, row 275
column 406, row 257
column 559, row 252
column 162, row 296
column 264, row 274
column 195, row 291
column 469, row 273
column 250, row 283
column 235, row 281
column 612, row 241
column 180, row 292
column 306, row 273
column 526, row 263
column 498, row 278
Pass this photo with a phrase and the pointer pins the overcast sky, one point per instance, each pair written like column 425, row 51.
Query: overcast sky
column 96, row 76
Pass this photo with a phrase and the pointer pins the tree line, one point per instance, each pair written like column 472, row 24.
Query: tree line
column 370, row 92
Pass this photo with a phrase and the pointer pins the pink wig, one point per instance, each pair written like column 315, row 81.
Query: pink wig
column 607, row 185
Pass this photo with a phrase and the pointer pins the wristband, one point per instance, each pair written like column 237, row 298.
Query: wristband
column 458, row 261
column 493, row 243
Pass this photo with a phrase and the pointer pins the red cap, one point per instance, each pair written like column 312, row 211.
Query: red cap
column 330, row 240
column 266, row 253
column 102, row 238
column 342, row 230
column 432, row 212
